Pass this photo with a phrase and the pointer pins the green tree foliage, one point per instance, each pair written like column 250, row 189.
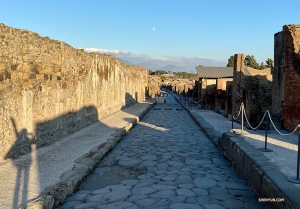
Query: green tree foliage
column 160, row 72
column 270, row 63
column 262, row 66
column 184, row 74
column 251, row 62
column 230, row 61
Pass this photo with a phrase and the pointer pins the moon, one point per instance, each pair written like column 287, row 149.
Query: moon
column 153, row 28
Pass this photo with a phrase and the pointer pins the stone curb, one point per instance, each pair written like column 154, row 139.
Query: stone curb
column 259, row 172
column 71, row 179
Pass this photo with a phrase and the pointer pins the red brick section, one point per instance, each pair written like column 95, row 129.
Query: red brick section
column 238, row 83
column 291, row 108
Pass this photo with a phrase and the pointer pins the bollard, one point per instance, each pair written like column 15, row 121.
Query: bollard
column 242, row 118
column 231, row 121
column 296, row 179
column 265, row 149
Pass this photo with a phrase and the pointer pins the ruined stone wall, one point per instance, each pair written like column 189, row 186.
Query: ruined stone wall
column 291, row 106
column 49, row 89
column 278, row 75
column 221, row 95
column 238, row 83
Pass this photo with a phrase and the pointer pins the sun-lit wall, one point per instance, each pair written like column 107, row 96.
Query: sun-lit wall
column 49, row 89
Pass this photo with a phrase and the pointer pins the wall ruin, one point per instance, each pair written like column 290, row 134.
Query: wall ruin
column 291, row 70
column 49, row 89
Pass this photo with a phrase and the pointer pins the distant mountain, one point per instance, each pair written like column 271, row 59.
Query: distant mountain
column 173, row 68
column 149, row 65
column 125, row 61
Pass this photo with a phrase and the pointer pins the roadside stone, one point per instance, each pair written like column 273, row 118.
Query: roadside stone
column 96, row 198
column 214, row 206
column 118, row 195
column 128, row 162
column 204, row 182
column 177, row 199
column 163, row 187
column 175, row 163
column 86, row 205
column 185, row 193
column 162, row 166
column 233, row 185
column 143, row 190
column 163, row 194
column 186, row 186
column 233, row 204
column 185, row 206
column 117, row 205
column 147, row 202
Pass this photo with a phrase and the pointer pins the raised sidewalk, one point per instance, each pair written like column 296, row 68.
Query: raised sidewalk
column 45, row 176
column 265, row 172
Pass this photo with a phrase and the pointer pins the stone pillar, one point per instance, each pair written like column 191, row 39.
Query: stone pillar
column 291, row 70
column 238, row 83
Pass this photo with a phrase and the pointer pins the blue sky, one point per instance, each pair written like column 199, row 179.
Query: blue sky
column 186, row 32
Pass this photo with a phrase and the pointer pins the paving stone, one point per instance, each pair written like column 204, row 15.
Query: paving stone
column 162, row 166
column 149, row 163
column 86, row 205
column 186, row 186
column 130, row 182
column 191, row 200
column 216, row 177
column 147, row 202
column 185, row 193
column 163, row 194
column 213, row 206
column 204, row 182
column 233, row 204
column 200, row 192
column 143, row 190
column 118, row 195
column 134, row 198
column 233, row 185
column 185, row 206
column 207, row 200
column 176, row 199
column 96, row 198
column 175, row 163
column 127, row 162
column 70, row 204
column 151, row 169
column 117, row 205
column 163, row 187
column 169, row 178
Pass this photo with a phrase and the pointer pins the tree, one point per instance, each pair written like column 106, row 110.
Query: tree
column 160, row 72
column 270, row 63
column 262, row 66
column 251, row 62
column 230, row 61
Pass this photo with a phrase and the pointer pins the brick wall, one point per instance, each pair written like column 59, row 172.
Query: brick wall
column 49, row 89
column 291, row 106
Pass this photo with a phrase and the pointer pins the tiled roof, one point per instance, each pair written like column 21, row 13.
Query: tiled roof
column 216, row 72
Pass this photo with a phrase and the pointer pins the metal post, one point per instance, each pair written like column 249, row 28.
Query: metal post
column 231, row 121
column 298, row 159
column 242, row 118
column 292, row 178
column 266, row 134
column 265, row 149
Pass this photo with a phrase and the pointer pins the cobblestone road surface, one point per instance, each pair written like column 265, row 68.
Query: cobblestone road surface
column 165, row 161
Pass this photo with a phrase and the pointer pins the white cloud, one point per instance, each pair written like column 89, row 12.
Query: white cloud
column 160, row 58
column 107, row 51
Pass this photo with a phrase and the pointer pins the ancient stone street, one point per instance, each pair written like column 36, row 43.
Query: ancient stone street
column 165, row 161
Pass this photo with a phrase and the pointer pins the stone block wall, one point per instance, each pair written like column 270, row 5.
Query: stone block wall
column 49, row 89
column 291, row 69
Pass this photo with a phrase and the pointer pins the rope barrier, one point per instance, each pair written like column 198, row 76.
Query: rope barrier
column 268, row 115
